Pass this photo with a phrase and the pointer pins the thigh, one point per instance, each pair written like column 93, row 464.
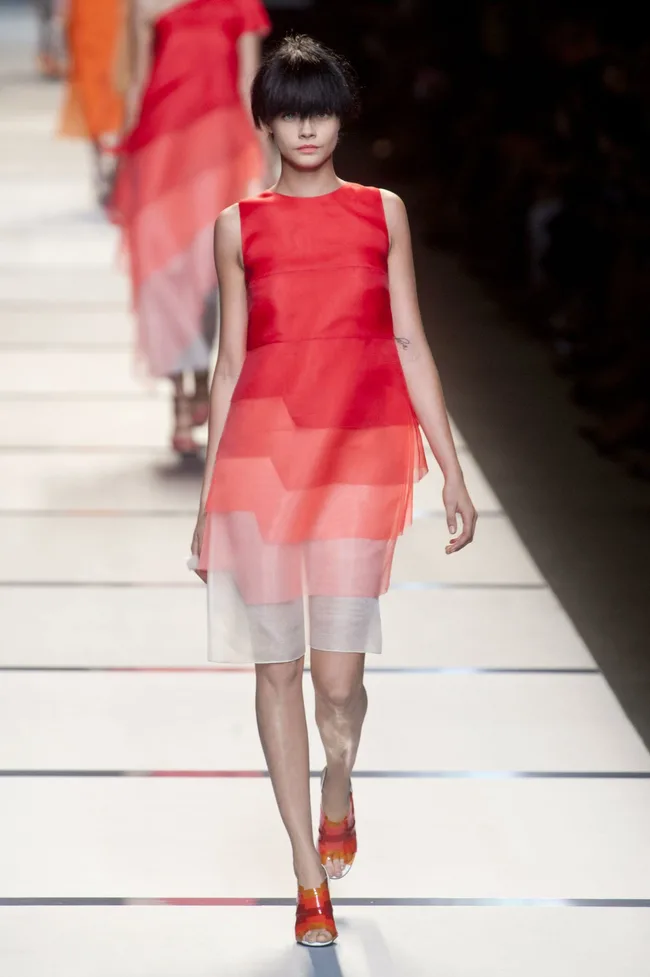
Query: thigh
column 277, row 632
column 343, row 580
column 348, row 567
column 248, row 633
column 345, row 624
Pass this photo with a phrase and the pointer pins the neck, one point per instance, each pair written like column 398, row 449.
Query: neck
column 307, row 183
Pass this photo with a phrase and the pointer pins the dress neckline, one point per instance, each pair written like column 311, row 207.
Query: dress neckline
column 317, row 196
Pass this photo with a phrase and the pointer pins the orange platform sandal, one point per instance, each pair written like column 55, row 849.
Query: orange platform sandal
column 314, row 912
column 337, row 839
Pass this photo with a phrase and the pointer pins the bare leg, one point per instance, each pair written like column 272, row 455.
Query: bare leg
column 98, row 175
column 182, row 440
column 45, row 30
column 282, row 726
column 341, row 705
column 201, row 399
column 177, row 383
column 209, row 316
column 201, row 384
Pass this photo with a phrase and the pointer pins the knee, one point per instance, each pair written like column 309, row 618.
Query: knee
column 279, row 676
column 338, row 694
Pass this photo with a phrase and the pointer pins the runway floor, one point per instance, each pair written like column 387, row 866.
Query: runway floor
column 503, row 797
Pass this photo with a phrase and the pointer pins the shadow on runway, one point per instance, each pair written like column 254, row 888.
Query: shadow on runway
column 324, row 962
column 303, row 962
column 180, row 469
column 300, row 961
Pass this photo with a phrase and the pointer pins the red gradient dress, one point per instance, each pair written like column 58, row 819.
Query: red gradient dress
column 193, row 152
column 313, row 478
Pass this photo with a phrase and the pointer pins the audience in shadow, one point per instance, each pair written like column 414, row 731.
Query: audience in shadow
column 526, row 130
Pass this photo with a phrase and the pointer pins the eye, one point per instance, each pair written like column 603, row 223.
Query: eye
column 288, row 116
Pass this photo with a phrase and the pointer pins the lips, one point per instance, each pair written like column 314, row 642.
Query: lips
column 307, row 149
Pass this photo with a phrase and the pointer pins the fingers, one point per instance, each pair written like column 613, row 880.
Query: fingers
column 469, row 517
column 452, row 522
column 459, row 543
column 193, row 562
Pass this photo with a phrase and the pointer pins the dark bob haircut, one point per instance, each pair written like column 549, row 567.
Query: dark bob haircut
column 306, row 79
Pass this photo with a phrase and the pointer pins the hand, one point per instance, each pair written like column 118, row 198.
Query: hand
column 457, row 502
column 197, row 543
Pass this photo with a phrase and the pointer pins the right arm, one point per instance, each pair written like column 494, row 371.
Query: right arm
column 256, row 26
column 233, row 326
column 249, row 50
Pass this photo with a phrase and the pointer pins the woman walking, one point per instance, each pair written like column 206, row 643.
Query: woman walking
column 191, row 150
column 323, row 378
column 93, row 107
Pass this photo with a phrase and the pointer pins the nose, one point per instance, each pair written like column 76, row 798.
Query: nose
column 307, row 129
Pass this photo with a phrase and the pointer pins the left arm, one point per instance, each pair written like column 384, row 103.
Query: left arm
column 421, row 373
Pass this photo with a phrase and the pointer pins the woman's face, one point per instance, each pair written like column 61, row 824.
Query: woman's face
column 305, row 143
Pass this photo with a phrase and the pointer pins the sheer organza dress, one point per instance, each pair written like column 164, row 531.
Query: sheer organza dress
column 313, row 479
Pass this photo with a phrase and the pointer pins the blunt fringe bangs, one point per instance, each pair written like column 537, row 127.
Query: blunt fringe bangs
column 306, row 79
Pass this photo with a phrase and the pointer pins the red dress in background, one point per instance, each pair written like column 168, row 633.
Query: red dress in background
column 313, row 479
column 193, row 152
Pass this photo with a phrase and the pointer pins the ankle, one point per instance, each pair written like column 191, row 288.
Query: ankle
column 336, row 790
column 182, row 409
column 308, row 869
column 201, row 385
column 337, row 779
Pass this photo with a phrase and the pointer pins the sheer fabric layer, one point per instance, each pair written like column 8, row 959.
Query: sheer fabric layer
column 314, row 474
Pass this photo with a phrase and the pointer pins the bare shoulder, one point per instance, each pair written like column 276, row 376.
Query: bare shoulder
column 227, row 226
column 397, row 220
column 394, row 209
column 227, row 235
column 228, row 220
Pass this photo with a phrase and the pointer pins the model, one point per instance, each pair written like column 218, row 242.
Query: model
column 191, row 151
column 323, row 379
column 93, row 107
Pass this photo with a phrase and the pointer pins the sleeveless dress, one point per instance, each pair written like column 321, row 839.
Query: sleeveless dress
column 313, row 478
column 193, row 152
